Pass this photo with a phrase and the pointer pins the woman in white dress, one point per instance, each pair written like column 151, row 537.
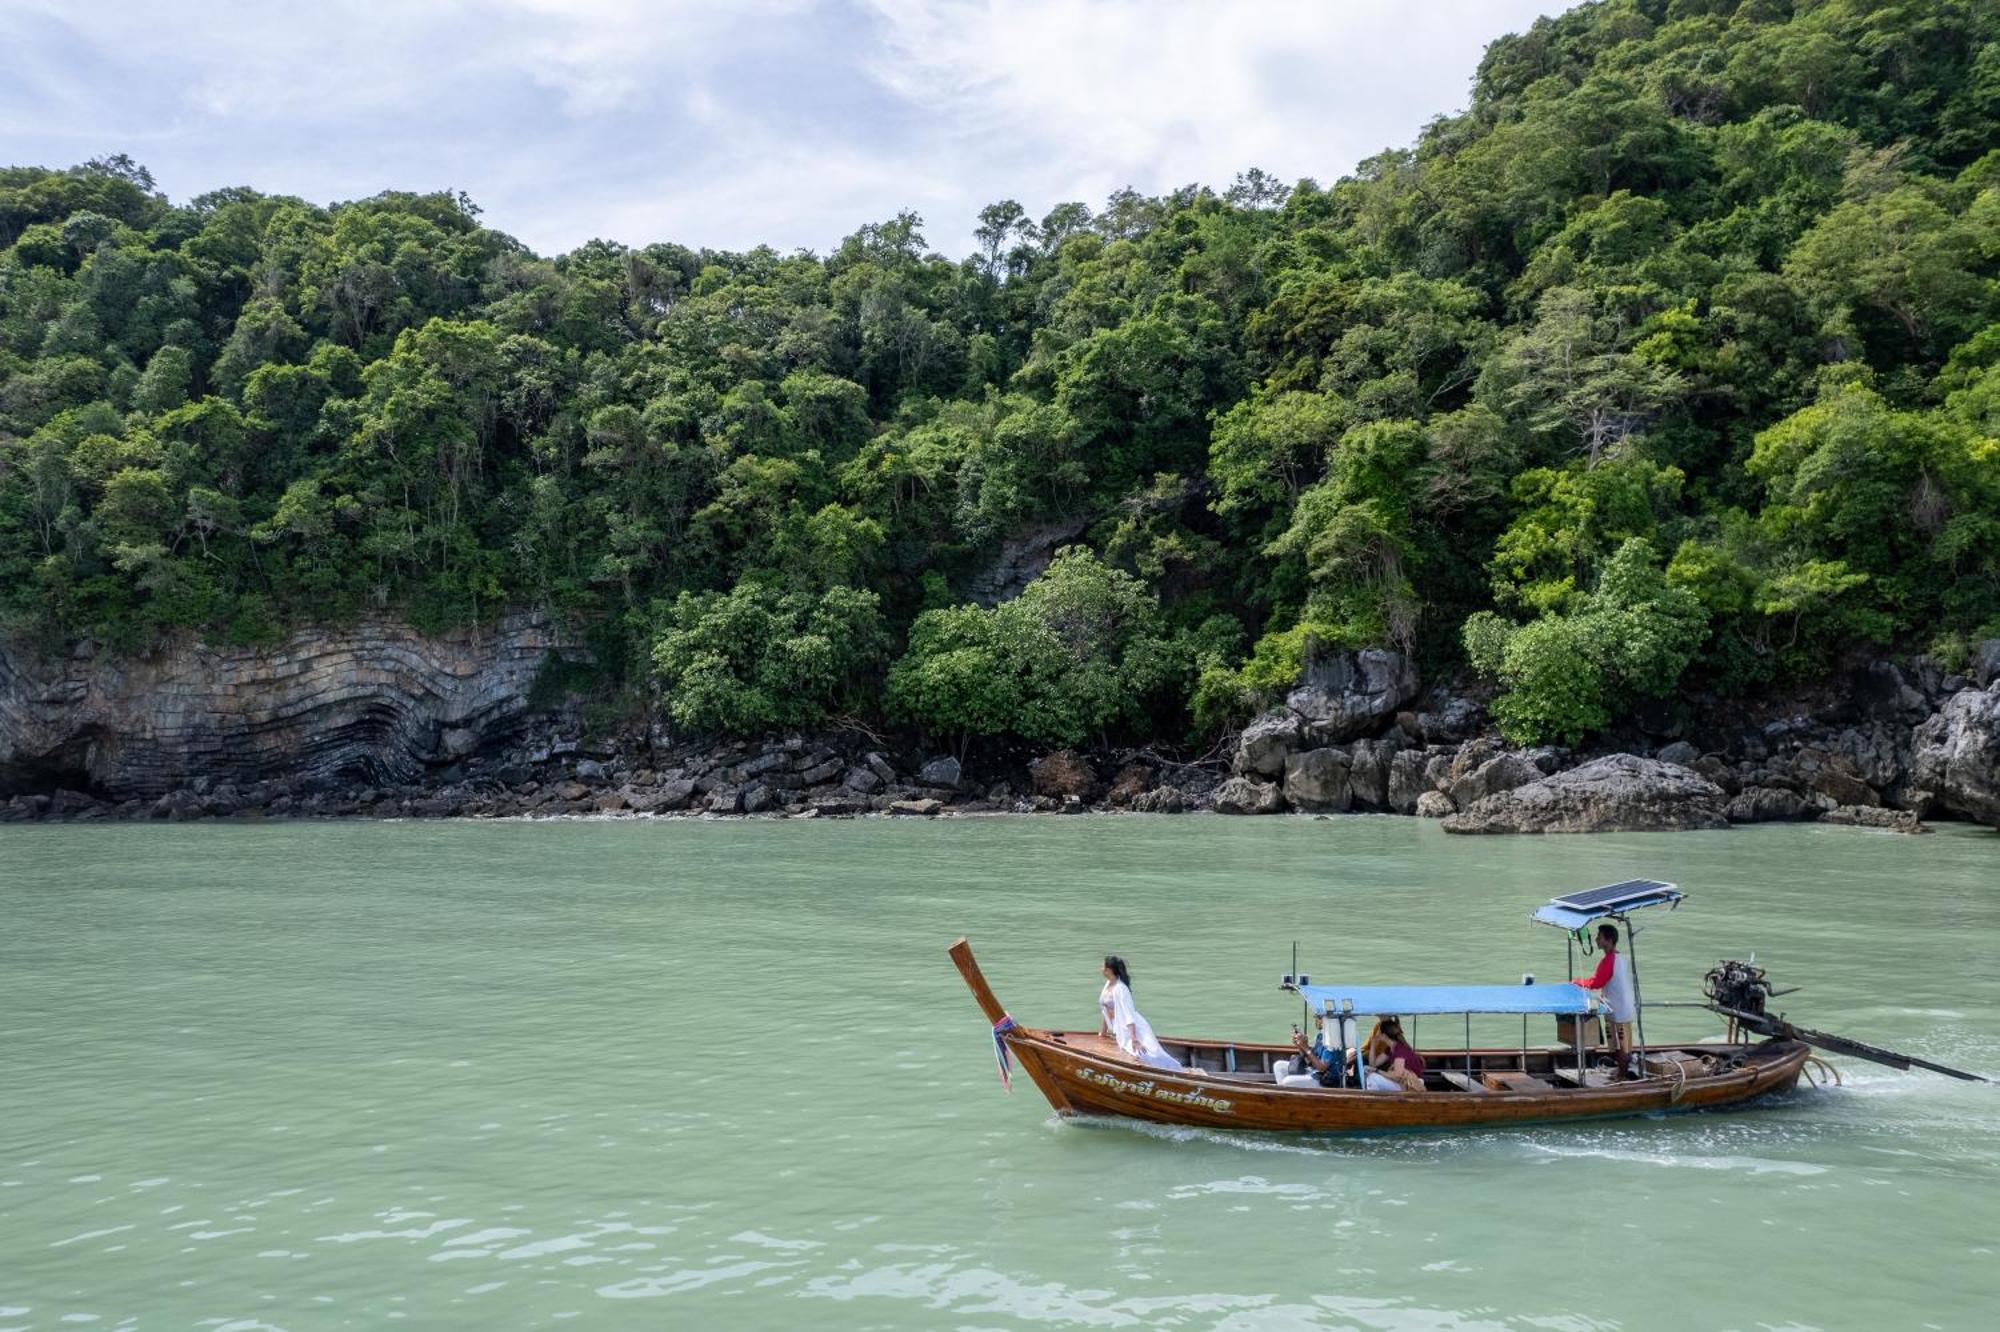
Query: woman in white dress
column 1123, row 1022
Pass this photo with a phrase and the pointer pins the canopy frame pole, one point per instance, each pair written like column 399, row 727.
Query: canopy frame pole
column 1468, row 1043
column 1638, row 1008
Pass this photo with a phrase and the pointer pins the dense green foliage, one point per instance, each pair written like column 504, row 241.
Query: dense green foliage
column 1672, row 361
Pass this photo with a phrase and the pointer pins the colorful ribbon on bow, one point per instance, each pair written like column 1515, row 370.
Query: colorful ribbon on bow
column 1000, row 1055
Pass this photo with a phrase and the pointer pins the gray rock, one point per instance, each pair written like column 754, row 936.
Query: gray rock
column 674, row 794
column 1454, row 719
column 458, row 741
column 1435, row 805
column 1502, row 773
column 1869, row 816
column 1768, row 804
column 1617, row 793
column 1407, row 780
column 880, row 766
column 940, row 772
column 759, row 764
column 1266, row 742
column 1160, row 800
column 1681, row 752
column 372, row 700
column 1240, row 795
column 837, row 806
column 1842, row 787
column 1956, row 755
column 757, row 799
column 1342, row 694
column 821, row 772
column 924, row 808
column 589, row 770
column 725, row 800
column 1368, row 772
column 862, row 780
column 1316, row 781
column 1986, row 664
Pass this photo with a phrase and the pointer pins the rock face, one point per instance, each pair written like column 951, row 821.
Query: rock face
column 1343, row 695
column 1316, row 781
column 375, row 701
column 1617, row 793
column 1957, row 754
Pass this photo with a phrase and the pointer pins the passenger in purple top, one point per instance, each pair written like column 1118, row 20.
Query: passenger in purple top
column 1389, row 1052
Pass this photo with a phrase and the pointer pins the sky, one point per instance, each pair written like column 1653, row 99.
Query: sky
column 733, row 123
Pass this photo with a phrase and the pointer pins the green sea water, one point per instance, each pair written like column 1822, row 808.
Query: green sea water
column 683, row 1074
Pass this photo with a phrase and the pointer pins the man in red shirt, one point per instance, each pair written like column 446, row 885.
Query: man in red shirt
column 1613, row 980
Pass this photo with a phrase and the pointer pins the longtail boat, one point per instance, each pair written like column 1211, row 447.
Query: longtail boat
column 1236, row 1084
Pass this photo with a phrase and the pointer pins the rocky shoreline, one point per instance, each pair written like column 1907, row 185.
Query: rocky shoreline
column 449, row 734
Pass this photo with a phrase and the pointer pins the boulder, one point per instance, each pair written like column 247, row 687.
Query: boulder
column 1681, row 752
column 1342, row 694
column 612, row 801
column 1368, row 772
column 1265, row 744
column 1617, row 793
column 1768, row 804
column 1986, row 664
column 924, row 808
column 589, row 770
column 1501, row 773
column 758, row 798
column 1407, row 780
column 1063, row 775
column 674, row 794
column 1841, row 786
column 1435, row 805
column 1316, row 781
column 880, row 766
column 940, row 772
column 1956, row 755
column 759, row 764
column 863, row 780
column 1160, row 800
column 822, row 772
column 1454, row 718
column 725, row 800
column 1240, row 795
column 1873, row 816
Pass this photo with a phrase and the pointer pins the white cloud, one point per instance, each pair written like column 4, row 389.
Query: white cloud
column 789, row 122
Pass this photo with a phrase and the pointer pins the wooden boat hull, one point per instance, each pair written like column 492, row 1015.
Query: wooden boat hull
column 1228, row 1085
column 1081, row 1082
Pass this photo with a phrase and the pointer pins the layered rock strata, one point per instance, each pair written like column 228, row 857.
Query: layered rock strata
column 375, row 701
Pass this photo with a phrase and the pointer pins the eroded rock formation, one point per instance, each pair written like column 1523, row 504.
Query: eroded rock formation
column 375, row 701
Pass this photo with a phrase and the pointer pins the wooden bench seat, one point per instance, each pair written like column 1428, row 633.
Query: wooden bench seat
column 1590, row 1077
column 1463, row 1081
column 1507, row 1079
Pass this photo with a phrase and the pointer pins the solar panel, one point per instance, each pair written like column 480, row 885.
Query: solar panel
column 1613, row 894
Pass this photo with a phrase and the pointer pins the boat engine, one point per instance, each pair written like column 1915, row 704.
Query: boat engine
column 1739, row 991
column 1738, row 986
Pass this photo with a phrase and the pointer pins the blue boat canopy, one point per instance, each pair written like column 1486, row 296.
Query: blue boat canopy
column 1576, row 910
column 1406, row 1000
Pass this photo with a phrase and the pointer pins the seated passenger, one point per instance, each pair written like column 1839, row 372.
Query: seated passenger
column 1391, row 1061
column 1297, row 1072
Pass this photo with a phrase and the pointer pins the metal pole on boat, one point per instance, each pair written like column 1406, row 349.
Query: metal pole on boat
column 1638, row 1009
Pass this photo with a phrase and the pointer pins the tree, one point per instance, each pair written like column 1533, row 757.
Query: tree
column 756, row 658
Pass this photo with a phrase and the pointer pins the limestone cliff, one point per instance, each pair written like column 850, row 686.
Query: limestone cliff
column 375, row 700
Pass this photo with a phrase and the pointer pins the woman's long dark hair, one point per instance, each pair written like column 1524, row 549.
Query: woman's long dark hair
column 1117, row 965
